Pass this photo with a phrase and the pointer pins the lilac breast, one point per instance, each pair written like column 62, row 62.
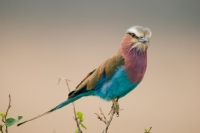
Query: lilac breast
column 135, row 64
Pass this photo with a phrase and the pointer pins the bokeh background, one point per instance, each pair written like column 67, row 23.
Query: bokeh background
column 41, row 40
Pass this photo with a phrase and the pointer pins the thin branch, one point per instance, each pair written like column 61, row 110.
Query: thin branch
column 104, row 119
column 3, row 120
column 108, row 122
column 149, row 130
column 75, row 117
column 9, row 106
column 102, row 114
column 101, row 118
column 74, row 109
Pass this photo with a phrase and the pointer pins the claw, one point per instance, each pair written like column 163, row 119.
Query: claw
column 115, row 107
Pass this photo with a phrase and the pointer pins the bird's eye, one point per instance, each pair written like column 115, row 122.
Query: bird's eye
column 132, row 34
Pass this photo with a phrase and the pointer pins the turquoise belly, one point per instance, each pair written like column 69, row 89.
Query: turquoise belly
column 118, row 85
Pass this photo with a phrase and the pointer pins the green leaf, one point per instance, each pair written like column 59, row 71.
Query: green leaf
column 76, row 131
column 145, row 130
column 11, row 121
column 2, row 115
column 1, row 128
column 80, row 120
column 83, row 126
column 80, row 115
column 20, row 117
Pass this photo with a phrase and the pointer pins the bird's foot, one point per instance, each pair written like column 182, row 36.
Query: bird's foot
column 115, row 107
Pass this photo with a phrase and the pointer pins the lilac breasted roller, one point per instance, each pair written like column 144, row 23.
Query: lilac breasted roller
column 116, row 76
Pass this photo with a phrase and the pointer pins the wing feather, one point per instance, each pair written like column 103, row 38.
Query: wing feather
column 108, row 67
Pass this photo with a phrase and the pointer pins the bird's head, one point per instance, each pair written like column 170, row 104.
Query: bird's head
column 137, row 37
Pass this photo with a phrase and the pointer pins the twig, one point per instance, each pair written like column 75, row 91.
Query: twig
column 102, row 113
column 149, row 130
column 2, row 131
column 9, row 106
column 100, row 118
column 75, row 117
column 107, row 122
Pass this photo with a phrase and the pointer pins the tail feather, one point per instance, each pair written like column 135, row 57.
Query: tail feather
column 57, row 107
column 36, row 117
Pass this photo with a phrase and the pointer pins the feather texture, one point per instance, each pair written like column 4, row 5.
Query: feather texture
column 116, row 86
column 135, row 60
column 108, row 67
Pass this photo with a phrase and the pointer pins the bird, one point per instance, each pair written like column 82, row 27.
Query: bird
column 116, row 76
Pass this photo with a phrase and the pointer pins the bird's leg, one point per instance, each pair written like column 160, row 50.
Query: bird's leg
column 115, row 106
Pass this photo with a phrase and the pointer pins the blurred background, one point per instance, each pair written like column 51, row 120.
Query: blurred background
column 41, row 40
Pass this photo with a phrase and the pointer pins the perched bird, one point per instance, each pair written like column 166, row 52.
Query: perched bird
column 116, row 76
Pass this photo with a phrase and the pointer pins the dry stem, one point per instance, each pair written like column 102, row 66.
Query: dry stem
column 75, row 117
column 104, row 119
column 149, row 130
column 9, row 106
